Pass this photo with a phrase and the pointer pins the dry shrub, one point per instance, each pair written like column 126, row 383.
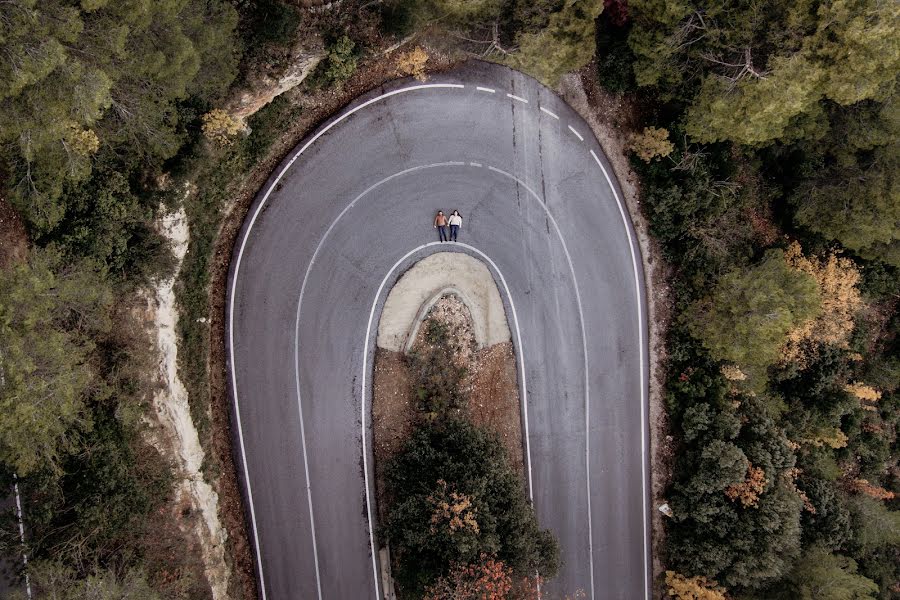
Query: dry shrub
column 748, row 491
column 862, row 486
column 413, row 63
column 220, row 127
column 651, row 143
column 693, row 588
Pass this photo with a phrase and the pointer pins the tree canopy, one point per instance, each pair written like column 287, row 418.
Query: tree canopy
column 79, row 77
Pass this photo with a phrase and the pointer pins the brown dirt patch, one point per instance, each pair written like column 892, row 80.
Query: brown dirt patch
column 494, row 398
column 13, row 237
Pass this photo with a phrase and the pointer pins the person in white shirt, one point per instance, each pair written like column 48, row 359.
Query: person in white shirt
column 455, row 222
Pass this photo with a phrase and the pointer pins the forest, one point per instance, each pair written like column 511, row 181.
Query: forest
column 765, row 136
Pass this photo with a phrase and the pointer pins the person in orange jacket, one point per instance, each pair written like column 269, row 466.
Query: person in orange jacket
column 440, row 223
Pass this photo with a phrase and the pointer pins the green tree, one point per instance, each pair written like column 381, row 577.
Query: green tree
column 853, row 54
column 78, row 77
column 821, row 575
column 49, row 315
column 852, row 193
column 565, row 44
column 746, row 318
column 55, row 580
column 453, row 456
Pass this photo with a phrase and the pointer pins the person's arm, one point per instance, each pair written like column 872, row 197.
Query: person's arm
column 435, row 222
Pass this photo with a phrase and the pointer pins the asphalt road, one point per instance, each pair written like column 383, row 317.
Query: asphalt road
column 339, row 221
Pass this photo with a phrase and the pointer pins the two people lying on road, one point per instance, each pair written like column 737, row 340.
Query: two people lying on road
column 441, row 222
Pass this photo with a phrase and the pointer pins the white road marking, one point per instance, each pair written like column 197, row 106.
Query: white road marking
column 237, row 267
column 587, row 392
column 584, row 342
column 22, row 532
column 484, row 89
column 474, row 164
column 552, row 114
column 644, row 449
column 578, row 135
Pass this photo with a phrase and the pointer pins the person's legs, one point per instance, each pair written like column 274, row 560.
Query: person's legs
column 442, row 232
column 453, row 231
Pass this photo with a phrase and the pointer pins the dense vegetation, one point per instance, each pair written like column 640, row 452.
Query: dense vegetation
column 458, row 523
column 768, row 172
column 776, row 204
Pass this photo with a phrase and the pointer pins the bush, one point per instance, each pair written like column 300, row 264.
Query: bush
column 452, row 456
column 338, row 65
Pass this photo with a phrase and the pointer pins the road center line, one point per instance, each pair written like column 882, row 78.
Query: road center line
column 484, row 89
column 552, row 114
column 518, row 98
column 578, row 135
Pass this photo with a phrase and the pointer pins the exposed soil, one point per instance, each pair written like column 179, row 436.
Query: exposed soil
column 613, row 118
column 13, row 237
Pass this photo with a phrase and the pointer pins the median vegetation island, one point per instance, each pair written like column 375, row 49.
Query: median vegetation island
column 764, row 142
column 452, row 500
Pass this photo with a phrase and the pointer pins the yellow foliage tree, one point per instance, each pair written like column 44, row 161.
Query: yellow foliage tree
column 220, row 127
column 413, row 63
column 863, row 392
column 837, row 278
column 831, row 437
column 692, row 588
column 651, row 143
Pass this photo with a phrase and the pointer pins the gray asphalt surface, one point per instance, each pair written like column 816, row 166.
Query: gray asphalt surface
column 333, row 222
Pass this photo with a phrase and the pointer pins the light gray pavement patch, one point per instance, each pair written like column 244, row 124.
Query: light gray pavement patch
column 406, row 141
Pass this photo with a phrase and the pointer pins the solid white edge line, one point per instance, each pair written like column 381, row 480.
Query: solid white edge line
column 237, row 266
column 519, row 98
column 587, row 392
column 484, row 89
column 552, row 114
column 578, row 135
column 631, row 243
column 22, row 533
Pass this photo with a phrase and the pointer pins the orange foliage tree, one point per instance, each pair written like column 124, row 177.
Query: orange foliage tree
column 488, row 579
column 748, row 491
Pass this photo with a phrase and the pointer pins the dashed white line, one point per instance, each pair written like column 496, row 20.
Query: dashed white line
column 578, row 135
column 484, row 89
column 517, row 98
column 474, row 164
column 552, row 114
